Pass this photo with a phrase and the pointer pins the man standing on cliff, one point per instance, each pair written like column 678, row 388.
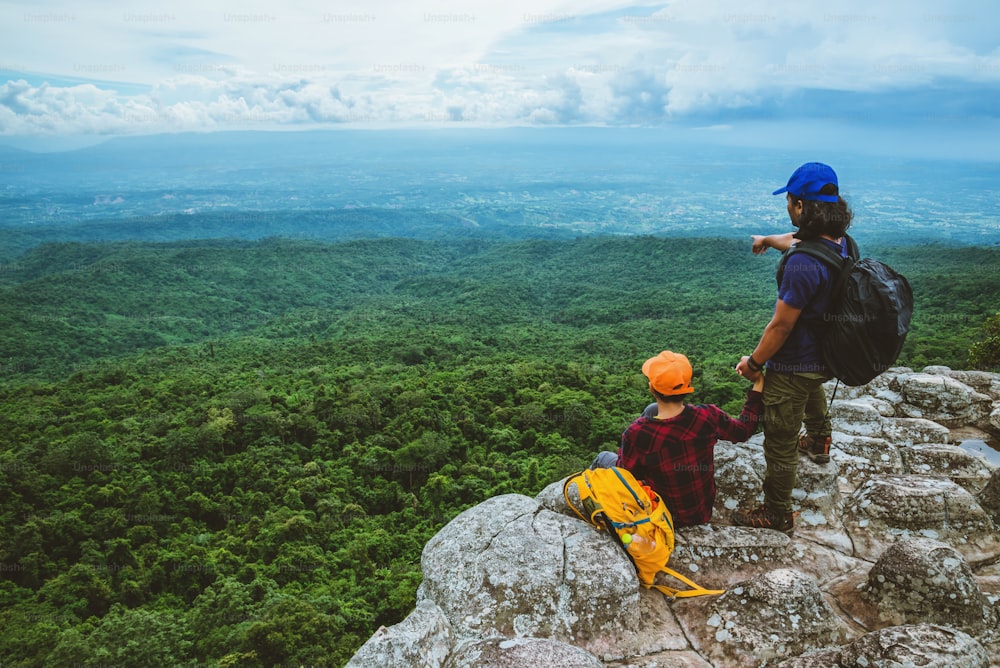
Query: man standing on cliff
column 790, row 344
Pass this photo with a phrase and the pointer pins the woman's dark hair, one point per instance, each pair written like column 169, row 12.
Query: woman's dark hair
column 818, row 218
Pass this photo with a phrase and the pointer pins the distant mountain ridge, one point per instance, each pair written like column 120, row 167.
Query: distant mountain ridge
column 577, row 181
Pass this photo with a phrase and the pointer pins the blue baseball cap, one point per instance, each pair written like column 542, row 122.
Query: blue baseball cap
column 808, row 180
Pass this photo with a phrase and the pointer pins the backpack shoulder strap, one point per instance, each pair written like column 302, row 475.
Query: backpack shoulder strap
column 823, row 252
column 852, row 248
column 819, row 250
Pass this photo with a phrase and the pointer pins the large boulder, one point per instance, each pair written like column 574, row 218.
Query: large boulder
column 919, row 580
column 883, row 509
column 510, row 568
column 983, row 382
column 723, row 556
column 961, row 466
column 923, row 645
column 944, row 400
column 780, row 613
column 989, row 497
column 861, row 457
column 860, row 417
column 910, row 431
column 884, row 385
column 738, row 475
column 424, row 638
column 816, row 489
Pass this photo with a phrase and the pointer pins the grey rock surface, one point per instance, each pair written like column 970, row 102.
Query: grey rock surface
column 989, row 497
column 508, row 567
column 424, row 638
column 860, row 457
column 911, row 430
column 960, row 466
column 924, row 645
column 883, row 509
column 775, row 615
column 521, row 653
column 859, row 417
column 919, row 580
column 944, row 399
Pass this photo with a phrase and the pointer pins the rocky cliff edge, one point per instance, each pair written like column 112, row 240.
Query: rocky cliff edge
column 895, row 560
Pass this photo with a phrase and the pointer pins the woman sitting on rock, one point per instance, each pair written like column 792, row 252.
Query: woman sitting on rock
column 671, row 447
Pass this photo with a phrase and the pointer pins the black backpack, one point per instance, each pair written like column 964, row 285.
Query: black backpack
column 870, row 310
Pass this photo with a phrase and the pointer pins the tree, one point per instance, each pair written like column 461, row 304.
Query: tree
column 79, row 590
column 985, row 354
column 292, row 631
column 127, row 637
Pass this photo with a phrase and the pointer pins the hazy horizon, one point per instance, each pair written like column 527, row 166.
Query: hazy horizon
column 502, row 183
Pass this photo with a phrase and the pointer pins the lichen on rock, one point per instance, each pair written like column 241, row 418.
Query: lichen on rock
column 521, row 653
column 960, row 466
column 423, row 638
column 925, row 645
column 508, row 567
column 882, row 509
column 944, row 399
column 780, row 613
column 923, row 580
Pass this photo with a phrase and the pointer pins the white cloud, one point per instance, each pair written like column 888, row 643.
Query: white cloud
column 151, row 68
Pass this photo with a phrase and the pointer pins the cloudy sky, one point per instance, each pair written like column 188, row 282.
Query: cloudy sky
column 84, row 67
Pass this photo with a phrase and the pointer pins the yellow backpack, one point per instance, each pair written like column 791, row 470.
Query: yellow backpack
column 613, row 500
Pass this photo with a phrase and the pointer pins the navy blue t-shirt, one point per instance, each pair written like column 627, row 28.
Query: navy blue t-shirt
column 806, row 284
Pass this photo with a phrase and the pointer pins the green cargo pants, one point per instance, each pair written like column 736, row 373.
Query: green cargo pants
column 790, row 400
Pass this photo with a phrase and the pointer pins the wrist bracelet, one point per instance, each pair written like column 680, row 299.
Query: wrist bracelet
column 754, row 364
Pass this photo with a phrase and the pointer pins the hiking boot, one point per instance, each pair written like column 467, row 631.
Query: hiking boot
column 816, row 450
column 763, row 518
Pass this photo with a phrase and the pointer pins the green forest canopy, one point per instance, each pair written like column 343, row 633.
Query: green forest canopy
column 232, row 453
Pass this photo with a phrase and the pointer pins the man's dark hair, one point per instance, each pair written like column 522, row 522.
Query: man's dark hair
column 673, row 398
column 818, row 218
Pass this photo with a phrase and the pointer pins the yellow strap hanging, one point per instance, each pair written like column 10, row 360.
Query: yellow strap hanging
column 697, row 590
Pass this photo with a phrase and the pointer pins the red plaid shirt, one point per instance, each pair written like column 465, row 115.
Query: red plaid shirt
column 676, row 456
